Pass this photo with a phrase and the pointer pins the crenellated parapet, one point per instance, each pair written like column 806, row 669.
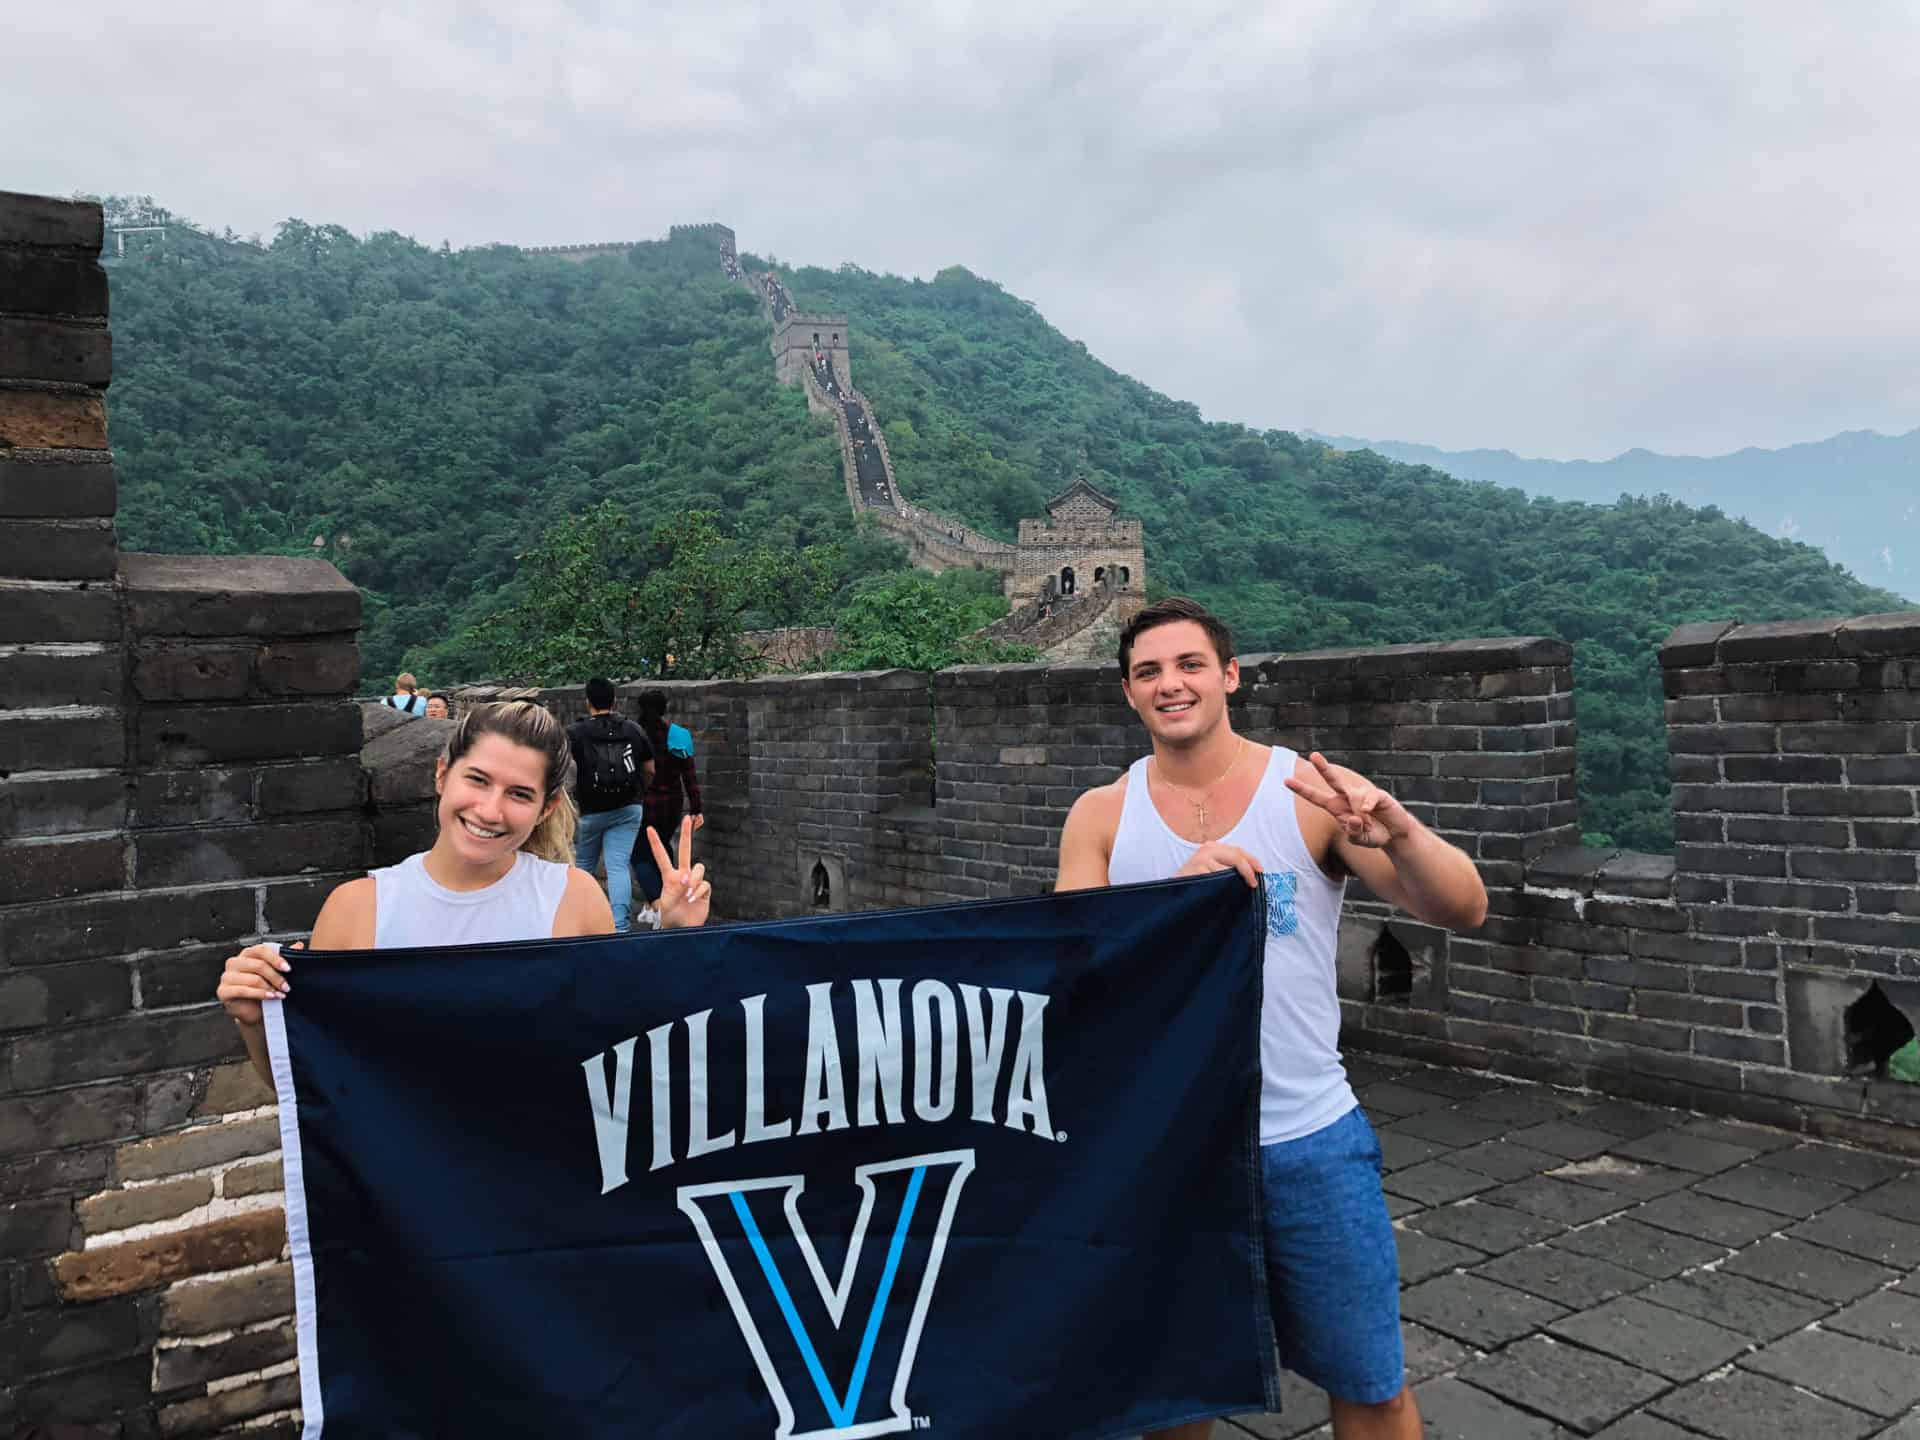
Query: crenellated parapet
column 1759, row 972
column 580, row 254
column 179, row 776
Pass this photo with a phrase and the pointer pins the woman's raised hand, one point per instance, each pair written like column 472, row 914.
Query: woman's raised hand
column 257, row 973
column 685, row 893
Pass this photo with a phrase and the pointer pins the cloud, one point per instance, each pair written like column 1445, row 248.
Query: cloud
column 1566, row 230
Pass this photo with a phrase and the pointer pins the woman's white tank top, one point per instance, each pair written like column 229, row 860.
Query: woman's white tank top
column 412, row 908
column 1303, row 1084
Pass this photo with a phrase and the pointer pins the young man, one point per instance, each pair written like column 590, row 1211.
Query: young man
column 1209, row 799
column 612, row 764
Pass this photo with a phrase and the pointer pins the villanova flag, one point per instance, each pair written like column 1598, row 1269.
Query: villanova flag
column 978, row 1170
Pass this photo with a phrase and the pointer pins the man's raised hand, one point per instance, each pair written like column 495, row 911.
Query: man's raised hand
column 1215, row 856
column 685, row 893
column 1368, row 815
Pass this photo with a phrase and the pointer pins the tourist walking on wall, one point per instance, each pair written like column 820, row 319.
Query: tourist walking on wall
column 614, row 762
column 406, row 696
column 1208, row 799
column 500, row 869
column 676, row 785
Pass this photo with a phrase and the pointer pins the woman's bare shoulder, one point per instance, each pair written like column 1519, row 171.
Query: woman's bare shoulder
column 584, row 909
column 346, row 921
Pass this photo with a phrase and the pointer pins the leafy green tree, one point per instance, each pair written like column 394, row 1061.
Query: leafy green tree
column 923, row 622
column 600, row 596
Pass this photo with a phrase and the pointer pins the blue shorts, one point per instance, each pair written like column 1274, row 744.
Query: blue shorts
column 1333, row 1272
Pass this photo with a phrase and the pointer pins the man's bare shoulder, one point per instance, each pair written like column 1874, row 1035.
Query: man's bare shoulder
column 1086, row 841
column 1099, row 808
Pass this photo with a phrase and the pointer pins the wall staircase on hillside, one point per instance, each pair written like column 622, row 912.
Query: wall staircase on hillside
column 811, row 350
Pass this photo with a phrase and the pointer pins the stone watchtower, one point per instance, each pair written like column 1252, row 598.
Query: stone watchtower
column 718, row 234
column 1081, row 543
column 798, row 337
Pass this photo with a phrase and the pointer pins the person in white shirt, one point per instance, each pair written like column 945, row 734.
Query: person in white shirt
column 501, row 867
column 1296, row 827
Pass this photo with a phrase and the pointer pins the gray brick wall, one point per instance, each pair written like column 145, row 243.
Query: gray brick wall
column 179, row 774
column 1714, row 978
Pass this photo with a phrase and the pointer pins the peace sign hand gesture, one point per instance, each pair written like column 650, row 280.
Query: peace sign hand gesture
column 1368, row 816
column 686, row 895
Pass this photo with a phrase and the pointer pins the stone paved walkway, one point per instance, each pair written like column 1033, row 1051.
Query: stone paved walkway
column 1572, row 1265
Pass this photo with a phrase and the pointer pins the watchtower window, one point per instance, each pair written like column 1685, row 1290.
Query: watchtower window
column 1066, row 580
column 1125, row 577
column 1099, row 573
column 822, row 887
column 816, row 337
column 836, row 337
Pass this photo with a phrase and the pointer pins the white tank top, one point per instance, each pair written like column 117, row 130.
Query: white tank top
column 1303, row 1085
column 412, row 908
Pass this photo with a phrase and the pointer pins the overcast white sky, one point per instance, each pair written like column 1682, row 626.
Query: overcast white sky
column 1560, row 228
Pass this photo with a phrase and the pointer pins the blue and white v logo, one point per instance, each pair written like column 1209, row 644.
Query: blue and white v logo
column 817, row 1347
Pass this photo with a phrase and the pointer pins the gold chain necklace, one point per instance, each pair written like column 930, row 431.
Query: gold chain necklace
column 1202, row 816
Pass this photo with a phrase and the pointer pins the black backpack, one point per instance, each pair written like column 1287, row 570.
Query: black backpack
column 611, row 772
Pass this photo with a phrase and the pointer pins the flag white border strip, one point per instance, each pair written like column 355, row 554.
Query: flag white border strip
column 306, row 1327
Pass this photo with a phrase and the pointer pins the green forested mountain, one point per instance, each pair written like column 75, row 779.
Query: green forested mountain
column 428, row 413
column 1856, row 495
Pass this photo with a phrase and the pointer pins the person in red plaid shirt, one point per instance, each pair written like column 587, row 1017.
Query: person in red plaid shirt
column 674, row 790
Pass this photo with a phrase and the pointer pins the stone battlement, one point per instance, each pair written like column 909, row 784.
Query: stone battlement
column 712, row 230
column 1716, row 979
column 582, row 252
column 179, row 775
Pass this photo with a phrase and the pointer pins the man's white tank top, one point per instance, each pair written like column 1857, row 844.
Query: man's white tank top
column 412, row 908
column 1303, row 1084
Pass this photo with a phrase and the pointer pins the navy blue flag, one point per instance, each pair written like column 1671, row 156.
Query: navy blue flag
column 974, row 1170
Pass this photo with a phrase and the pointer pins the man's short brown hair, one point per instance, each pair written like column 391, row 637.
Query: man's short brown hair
column 1165, row 612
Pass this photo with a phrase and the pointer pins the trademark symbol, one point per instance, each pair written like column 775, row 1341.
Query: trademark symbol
column 1060, row 1137
column 922, row 1422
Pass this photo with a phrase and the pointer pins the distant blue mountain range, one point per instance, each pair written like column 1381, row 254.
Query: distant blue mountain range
column 1855, row 495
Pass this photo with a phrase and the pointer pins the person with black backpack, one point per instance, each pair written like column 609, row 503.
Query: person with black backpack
column 613, row 763
column 406, row 697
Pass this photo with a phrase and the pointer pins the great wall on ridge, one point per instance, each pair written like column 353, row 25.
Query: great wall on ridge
column 184, row 770
column 1074, row 577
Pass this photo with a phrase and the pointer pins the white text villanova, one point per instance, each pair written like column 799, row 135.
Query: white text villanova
column 882, row 1041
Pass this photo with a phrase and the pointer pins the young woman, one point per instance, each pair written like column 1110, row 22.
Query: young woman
column 500, row 869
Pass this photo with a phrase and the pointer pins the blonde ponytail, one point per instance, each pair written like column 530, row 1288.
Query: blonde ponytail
column 552, row 838
column 526, row 723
